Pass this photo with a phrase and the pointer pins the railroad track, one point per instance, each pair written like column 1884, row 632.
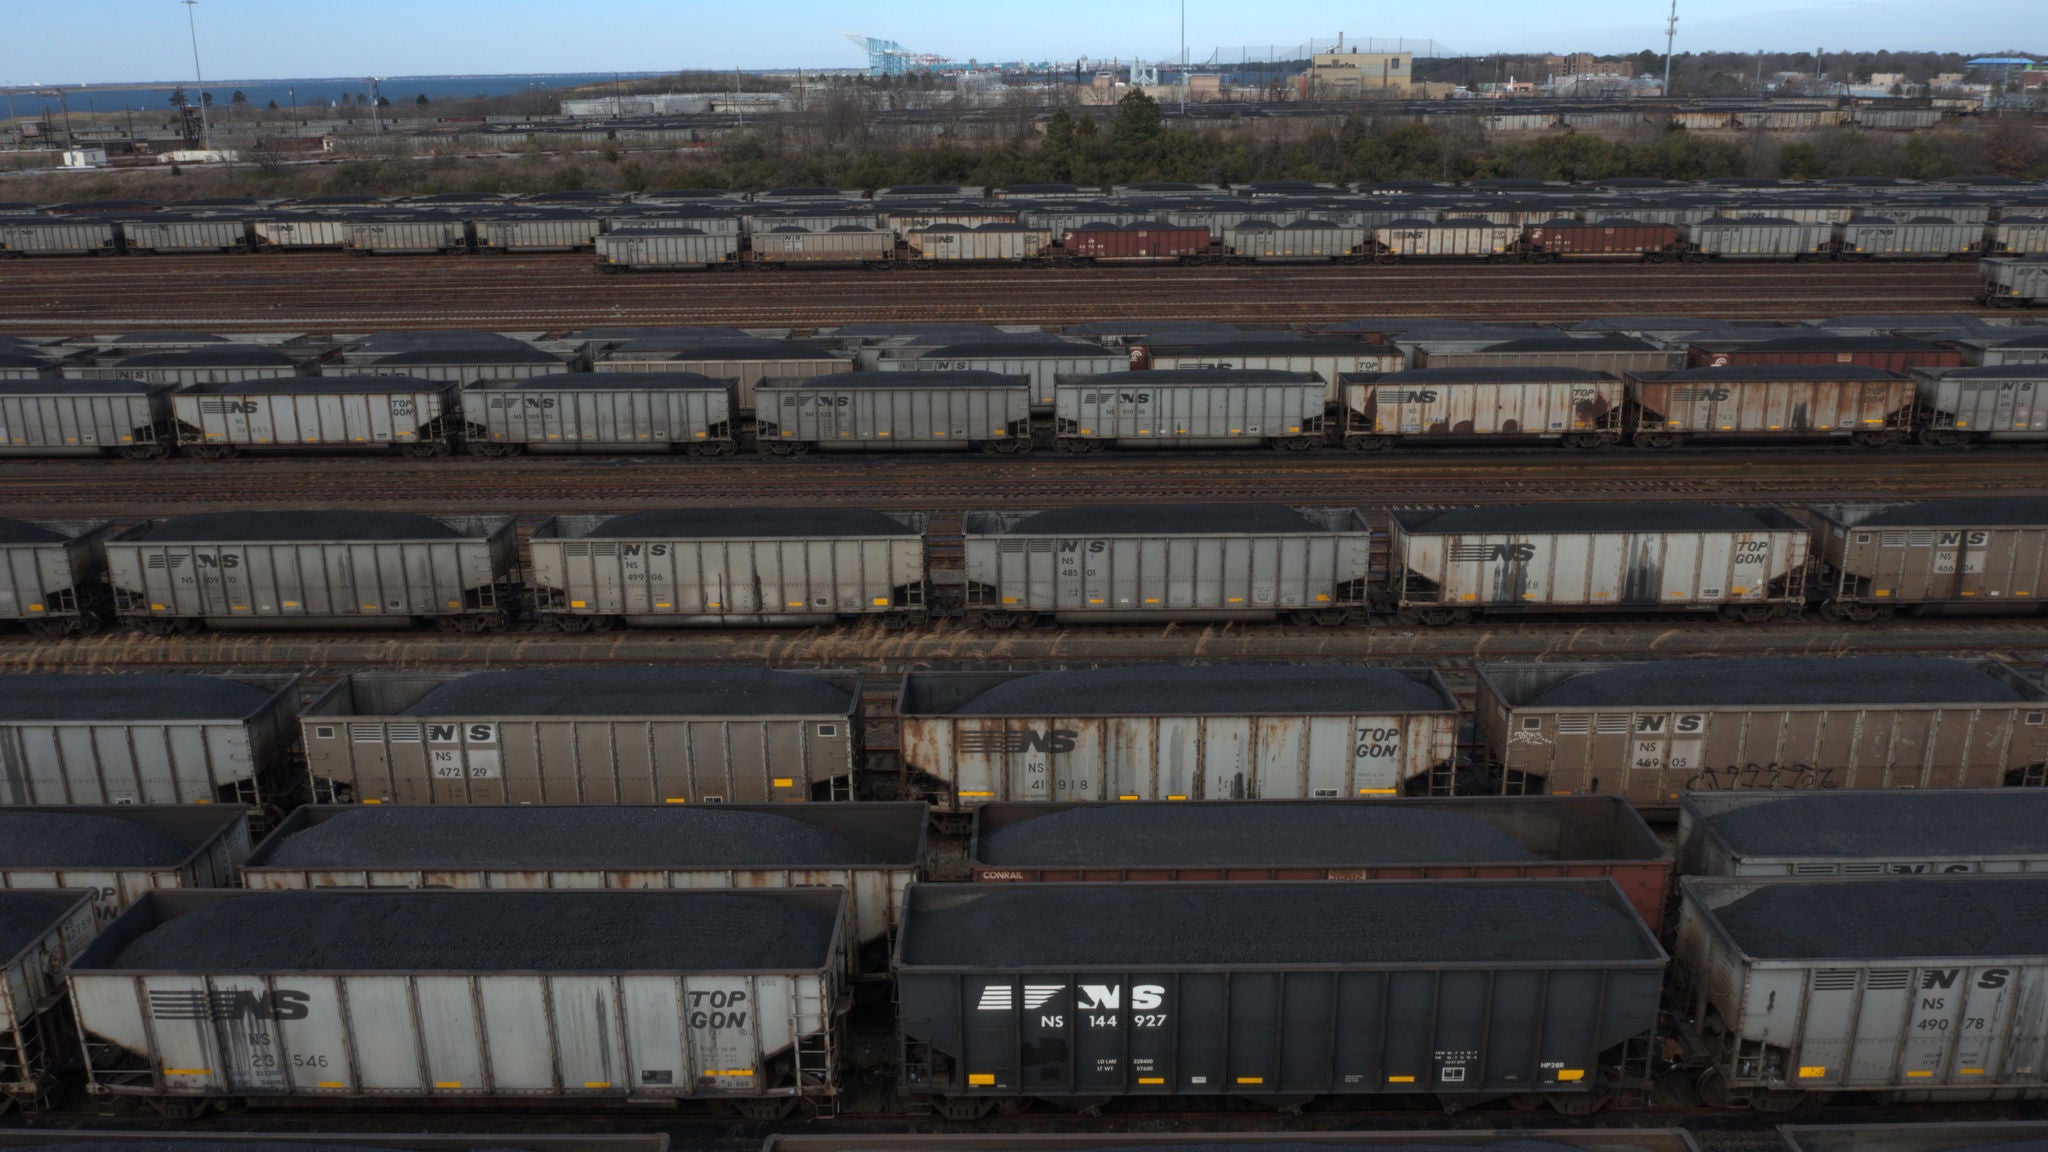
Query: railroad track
column 330, row 292
column 1716, row 1131
column 945, row 482
column 2020, row 639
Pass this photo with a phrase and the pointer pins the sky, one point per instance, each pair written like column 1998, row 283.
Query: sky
column 103, row 41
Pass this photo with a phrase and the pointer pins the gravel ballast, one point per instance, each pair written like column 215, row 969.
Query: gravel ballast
column 126, row 696
column 1154, row 519
column 1295, row 835
column 524, row 838
column 1510, row 1145
column 643, row 691
column 1891, row 919
column 1030, row 925
column 1212, row 689
column 25, row 916
column 1779, row 681
column 1527, row 519
column 748, row 524
column 1907, row 823
column 23, row 532
column 83, row 840
column 396, row 930
column 323, row 525
column 236, row 1146
column 1968, row 512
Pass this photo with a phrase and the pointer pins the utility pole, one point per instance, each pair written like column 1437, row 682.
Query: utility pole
column 1184, row 57
column 1670, row 37
column 376, row 111
column 292, row 94
column 192, row 23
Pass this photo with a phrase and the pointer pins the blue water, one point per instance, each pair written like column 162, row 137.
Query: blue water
column 311, row 94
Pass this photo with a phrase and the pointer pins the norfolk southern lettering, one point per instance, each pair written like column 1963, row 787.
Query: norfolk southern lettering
column 282, row 1004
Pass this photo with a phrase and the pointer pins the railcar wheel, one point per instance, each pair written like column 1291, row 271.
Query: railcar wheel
column 1590, row 441
column 1713, row 1089
column 1368, row 443
column 145, row 451
column 571, row 624
column 428, row 449
column 211, row 451
column 491, row 451
column 1659, row 439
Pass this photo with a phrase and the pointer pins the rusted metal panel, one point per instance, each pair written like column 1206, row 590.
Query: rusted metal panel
column 1540, row 568
column 1601, row 240
column 1651, row 754
column 1449, row 402
column 1790, row 401
column 1135, row 243
column 1886, row 354
column 1461, row 239
column 1943, row 559
column 965, row 761
column 1592, row 358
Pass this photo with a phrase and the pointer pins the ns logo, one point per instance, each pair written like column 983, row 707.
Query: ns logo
column 1492, row 553
column 282, row 1004
column 1057, row 742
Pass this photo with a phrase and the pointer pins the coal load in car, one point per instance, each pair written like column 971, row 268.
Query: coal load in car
column 1387, row 838
column 872, row 850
